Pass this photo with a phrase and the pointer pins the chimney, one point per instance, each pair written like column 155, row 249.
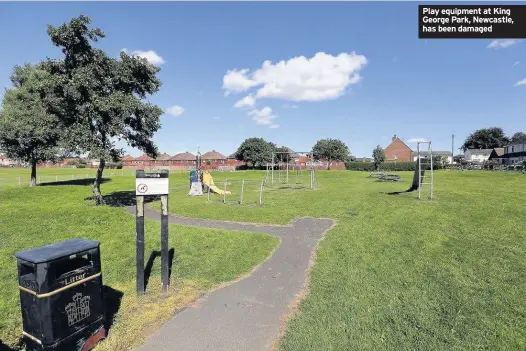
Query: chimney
column 394, row 137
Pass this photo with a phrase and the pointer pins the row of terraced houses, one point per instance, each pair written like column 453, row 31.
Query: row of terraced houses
column 211, row 160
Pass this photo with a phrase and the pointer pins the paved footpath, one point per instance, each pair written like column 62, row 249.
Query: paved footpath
column 245, row 315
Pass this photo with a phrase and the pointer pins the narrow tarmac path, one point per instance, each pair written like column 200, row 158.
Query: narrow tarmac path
column 246, row 314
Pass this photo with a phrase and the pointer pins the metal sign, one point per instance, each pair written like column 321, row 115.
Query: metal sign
column 151, row 183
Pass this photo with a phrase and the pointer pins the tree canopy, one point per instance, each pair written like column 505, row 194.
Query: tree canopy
column 378, row 156
column 486, row 138
column 101, row 99
column 28, row 131
column 518, row 138
column 255, row 151
column 330, row 150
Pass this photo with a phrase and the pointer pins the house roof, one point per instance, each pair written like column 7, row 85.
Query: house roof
column 143, row 157
column 395, row 138
column 163, row 156
column 483, row 152
column 497, row 152
column 213, row 155
column 184, row 156
column 128, row 158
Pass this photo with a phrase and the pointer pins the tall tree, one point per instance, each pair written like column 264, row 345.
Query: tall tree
column 378, row 157
column 102, row 99
column 283, row 154
column 487, row 138
column 330, row 150
column 28, row 132
column 518, row 138
column 255, row 151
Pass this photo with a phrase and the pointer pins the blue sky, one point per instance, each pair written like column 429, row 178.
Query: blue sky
column 394, row 84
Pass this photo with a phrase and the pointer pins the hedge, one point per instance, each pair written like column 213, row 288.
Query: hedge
column 388, row 167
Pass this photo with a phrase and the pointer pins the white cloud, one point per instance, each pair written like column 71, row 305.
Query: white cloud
column 236, row 81
column 274, row 126
column 321, row 77
column 265, row 116
column 290, row 106
column 502, row 43
column 174, row 111
column 515, row 64
column 217, row 118
column 149, row 55
column 520, row 82
column 416, row 140
column 247, row 101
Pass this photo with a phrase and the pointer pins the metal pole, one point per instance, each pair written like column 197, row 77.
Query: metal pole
column 419, row 168
column 165, row 276
column 452, row 147
column 242, row 190
column 272, row 170
column 224, row 192
column 431, row 156
column 261, row 194
column 139, row 228
column 208, row 199
column 287, row 171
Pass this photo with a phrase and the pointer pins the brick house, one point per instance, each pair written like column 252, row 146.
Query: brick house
column 213, row 160
column 398, row 151
column 128, row 161
column 183, row 161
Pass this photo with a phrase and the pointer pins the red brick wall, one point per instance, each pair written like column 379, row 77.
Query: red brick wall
column 397, row 147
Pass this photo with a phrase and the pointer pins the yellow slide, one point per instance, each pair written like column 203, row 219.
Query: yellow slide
column 209, row 182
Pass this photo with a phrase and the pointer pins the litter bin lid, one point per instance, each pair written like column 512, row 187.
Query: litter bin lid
column 56, row 250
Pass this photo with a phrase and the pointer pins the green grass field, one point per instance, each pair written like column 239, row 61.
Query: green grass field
column 204, row 258
column 395, row 273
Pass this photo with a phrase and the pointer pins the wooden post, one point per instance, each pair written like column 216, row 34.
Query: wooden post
column 242, row 190
column 261, row 194
column 19, row 181
column 139, row 225
column 165, row 277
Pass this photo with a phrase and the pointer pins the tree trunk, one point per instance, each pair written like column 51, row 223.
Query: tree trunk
column 33, row 173
column 96, row 185
column 329, row 164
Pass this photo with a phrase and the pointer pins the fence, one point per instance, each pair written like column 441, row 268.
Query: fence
column 242, row 192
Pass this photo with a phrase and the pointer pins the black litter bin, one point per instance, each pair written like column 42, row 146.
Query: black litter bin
column 61, row 296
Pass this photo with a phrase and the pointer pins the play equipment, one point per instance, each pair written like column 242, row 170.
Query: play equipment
column 424, row 161
column 388, row 177
column 286, row 168
column 196, row 184
column 208, row 183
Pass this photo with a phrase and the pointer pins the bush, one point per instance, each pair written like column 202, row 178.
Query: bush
column 114, row 165
column 385, row 167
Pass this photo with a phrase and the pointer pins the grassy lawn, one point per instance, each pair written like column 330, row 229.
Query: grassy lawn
column 397, row 273
column 204, row 258
column 394, row 274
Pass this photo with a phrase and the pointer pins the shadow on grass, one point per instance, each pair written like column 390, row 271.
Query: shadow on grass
column 4, row 347
column 112, row 304
column 81, row 182
column 123, row 199
column 149, row 265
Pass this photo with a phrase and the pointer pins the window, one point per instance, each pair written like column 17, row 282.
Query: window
column 513, row 149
